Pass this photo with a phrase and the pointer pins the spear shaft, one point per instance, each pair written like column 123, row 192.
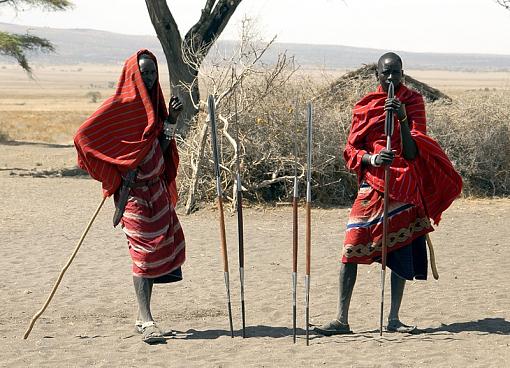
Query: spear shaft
column 388, row 131
column 295, row 199
column 212, row 118
column 308, row 218
column 240, row 225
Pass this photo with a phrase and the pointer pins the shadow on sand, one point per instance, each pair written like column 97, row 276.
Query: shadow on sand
column 498, row 326
column 251, row 331
column 7, row 142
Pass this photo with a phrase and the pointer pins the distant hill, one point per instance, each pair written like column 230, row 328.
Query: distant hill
column 75, row 46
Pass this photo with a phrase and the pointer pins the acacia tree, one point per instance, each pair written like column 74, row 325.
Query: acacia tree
column 15, row 45
column 185, row 55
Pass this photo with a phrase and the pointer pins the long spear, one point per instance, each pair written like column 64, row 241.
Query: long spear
column 388, row 131
column 308, row 218
column 61, row 275
column 295, row 199
column 212, row 118
column 240, row 227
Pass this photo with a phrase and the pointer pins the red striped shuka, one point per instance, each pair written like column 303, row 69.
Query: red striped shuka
column 123, row 135
column 419, row 189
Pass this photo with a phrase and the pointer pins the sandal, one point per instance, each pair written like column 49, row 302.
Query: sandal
column 151, row 334
column 394, row 325
column 138, row 326
column 334, row 327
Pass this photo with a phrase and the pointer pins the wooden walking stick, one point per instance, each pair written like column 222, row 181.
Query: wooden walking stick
column 295, row 199
column 240, row 227
column 59, row 279
column 388, row 131
column 432, row 258
column 212, row 118
column 308, row 219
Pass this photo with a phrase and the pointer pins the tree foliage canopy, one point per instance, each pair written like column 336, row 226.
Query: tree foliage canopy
column 15, row 45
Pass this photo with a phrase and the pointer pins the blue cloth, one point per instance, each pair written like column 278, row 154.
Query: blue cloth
column 410, row 262
column 174, row 276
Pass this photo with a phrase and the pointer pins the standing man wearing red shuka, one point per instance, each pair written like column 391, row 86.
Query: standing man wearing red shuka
column 128, row 145
column 423, row 183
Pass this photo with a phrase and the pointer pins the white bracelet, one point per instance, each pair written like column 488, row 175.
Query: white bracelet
column 372, row 160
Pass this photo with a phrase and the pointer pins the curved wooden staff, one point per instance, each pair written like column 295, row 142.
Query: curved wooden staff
column 388, row 131
column 308, row 218
column 295, row 199
column 212, row 118
column 240, row 226
column 59, row 279
column 432, row 258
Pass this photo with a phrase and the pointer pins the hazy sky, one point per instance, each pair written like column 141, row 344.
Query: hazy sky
column 467, row 26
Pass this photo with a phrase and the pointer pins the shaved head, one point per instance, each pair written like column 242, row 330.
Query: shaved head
column 389, row 69
column 389, row 56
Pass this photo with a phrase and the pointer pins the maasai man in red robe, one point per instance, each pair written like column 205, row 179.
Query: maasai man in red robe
column 423, row 183
column 129, row 132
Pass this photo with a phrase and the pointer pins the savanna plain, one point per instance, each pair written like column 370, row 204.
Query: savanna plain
column 464, row 317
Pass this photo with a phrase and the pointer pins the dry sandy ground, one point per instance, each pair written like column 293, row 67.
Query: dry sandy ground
column 465, row 316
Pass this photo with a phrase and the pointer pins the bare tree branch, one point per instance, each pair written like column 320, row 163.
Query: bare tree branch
column 504, row 3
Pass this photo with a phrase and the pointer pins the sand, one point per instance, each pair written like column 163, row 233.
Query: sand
column 465, row 315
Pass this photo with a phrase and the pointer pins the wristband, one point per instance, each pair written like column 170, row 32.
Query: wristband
column 404, row 119
column 372, row 160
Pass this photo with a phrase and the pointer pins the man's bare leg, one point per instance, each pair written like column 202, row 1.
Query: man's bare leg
column 346, row 281
column 143, row 291
column 397, row 292
column 151, row 334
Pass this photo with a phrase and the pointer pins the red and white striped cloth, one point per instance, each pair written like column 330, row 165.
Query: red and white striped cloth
column 120, row 136
column 429, row 181
column 155, row 237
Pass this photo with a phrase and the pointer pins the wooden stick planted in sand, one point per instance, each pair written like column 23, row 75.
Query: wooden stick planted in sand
column 308, row 234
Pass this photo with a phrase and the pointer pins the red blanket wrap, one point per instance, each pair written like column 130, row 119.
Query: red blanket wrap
column 419, row 189
column 429, row 181
column 120, row 136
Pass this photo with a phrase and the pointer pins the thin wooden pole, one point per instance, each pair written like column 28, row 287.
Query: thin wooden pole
column 212, row 118
column 59, row 279
column 308, row 220
column 295, row 199
column 388, row 130
column 239, row 203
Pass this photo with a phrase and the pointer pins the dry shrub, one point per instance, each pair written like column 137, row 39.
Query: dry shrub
column 474, row 130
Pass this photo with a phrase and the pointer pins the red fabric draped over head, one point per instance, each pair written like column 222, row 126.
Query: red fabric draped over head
column 429, row 181
column 118, row 136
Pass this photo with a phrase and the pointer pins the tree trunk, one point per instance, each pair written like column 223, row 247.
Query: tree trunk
column 199, row 39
